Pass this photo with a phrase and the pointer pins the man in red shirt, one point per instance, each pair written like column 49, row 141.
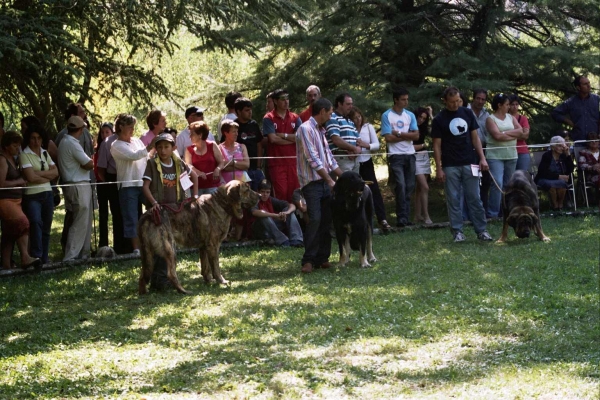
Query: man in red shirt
column 280, row 126
column 313, row 93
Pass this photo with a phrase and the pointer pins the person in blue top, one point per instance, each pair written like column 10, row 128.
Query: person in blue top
column 399, row 129
column 581, row 112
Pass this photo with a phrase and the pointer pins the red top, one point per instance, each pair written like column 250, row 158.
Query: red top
column 207, row 164
column 306, row 114
column 521, row 144
column 273, row 123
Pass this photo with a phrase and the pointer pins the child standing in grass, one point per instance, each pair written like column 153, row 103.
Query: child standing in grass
column 166, row 179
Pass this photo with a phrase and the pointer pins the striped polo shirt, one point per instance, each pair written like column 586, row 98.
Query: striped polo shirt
column 341, row 126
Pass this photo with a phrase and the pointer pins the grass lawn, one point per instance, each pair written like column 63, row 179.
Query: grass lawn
column 432, row 319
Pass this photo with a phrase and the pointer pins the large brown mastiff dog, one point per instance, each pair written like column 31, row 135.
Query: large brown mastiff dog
column 203, row 223
column 520, row 207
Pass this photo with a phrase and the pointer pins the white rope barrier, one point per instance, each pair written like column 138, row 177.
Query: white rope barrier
column 530, row 146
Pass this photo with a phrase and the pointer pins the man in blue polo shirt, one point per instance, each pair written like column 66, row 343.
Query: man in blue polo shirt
column 581, row 112
column 342, row 135
column 399, row 129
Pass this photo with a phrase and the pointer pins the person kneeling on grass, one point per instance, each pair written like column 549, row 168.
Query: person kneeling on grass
column 274, row 217
column 166, row 179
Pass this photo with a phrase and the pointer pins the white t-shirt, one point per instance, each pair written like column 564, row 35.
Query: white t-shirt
column 392, row 121
column 130, row 158
column 70, row 159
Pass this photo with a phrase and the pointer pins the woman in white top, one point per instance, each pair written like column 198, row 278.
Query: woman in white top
column 422, row 166
column 130, row 156
column 369, row 142
column 501, row 153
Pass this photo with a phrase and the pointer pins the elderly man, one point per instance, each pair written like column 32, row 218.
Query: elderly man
column 74, row 166
column 315, row 163
column 581, row 112
column 477, row 106
column 313, row 93
column 192, row 114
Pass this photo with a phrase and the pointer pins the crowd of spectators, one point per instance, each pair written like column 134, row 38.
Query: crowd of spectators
column 291, row 159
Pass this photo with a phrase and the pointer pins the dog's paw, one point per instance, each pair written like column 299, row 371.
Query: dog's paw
column 366, row 265
column 372, row 259
column 546, row 239
column 500, row 241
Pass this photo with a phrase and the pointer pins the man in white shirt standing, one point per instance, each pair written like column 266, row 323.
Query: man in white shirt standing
column 230, row 99
column 399, row 129
column 74, row 166
column 183, row 141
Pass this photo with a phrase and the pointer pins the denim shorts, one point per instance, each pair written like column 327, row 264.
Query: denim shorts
column 130, row 198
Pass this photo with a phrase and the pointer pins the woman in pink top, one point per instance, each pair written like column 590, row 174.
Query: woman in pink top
column 523, row 157
column 204, row 158
column 235, row 154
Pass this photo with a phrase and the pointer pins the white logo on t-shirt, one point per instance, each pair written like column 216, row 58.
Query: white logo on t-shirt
column 458, row 126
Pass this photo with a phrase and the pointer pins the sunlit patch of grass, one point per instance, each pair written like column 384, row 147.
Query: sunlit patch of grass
column 431, row 319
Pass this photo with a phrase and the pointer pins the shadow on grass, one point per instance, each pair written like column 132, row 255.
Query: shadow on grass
column 543, row 300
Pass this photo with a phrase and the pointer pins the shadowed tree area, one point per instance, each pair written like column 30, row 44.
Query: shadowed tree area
column 532, row 48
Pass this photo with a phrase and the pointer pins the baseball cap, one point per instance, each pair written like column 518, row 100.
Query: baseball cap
column 75, row 122
column 164, row 137
column 194, row 110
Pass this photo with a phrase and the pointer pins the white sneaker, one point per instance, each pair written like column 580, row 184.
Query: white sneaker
column 136, row 252
column 459, row 237
column 484, row 236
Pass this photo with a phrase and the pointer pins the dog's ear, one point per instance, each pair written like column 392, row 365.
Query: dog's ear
column 235, row 199
column 534, row 217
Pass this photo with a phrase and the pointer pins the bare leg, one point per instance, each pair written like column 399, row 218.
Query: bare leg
column 7, row 247
column 22, row 244
column 423, row 198
column 135, row 242
column 560, row 196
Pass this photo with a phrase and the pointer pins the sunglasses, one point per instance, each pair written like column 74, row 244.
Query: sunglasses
column 43, row 164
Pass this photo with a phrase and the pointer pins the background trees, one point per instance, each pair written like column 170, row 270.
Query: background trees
column 533, row 48
column 56, row 51
column 134, row 53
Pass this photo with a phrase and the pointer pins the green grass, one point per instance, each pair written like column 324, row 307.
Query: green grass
column 432, row 319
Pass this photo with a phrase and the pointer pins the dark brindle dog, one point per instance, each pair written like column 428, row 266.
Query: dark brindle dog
column 520, row 207
column 352, row 214
column 203, row 223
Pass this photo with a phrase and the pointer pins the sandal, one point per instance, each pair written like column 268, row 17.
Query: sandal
column 36, row 264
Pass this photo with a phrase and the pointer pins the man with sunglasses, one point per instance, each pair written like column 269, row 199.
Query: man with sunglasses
column 183, row 141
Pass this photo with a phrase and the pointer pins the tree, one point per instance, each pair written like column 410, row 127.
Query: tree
column 56, row 51
column 533, row 48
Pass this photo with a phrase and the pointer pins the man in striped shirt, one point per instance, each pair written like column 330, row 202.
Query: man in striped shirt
column 342, row 134
column 315, row 164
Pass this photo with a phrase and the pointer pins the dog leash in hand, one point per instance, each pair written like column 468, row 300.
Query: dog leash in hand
column 156, row 218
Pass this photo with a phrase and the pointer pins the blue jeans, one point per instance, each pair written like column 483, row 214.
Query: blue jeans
column 270, row 228
column 130, row 199
column 39, row 209
column 523, row 162
column 403, row 166
column 459, row 181
column 256, row 176
column 317, row 238
column 501, row 171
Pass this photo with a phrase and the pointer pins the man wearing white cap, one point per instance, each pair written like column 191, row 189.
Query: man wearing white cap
column 74, row 166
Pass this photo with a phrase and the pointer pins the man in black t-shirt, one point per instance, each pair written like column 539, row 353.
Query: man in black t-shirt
column 459, row 158
column 249, row 134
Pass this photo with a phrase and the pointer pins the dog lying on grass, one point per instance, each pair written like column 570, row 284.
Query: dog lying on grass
column 202, row 223
column 352, row 212
column 521, row 208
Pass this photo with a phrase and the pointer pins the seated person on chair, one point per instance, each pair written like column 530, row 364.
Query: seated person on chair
column 166, row 179
column 589, row 160
column 275, row 219
column 554, row 172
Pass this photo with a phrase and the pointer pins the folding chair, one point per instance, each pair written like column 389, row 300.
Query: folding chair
column 582, row 184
